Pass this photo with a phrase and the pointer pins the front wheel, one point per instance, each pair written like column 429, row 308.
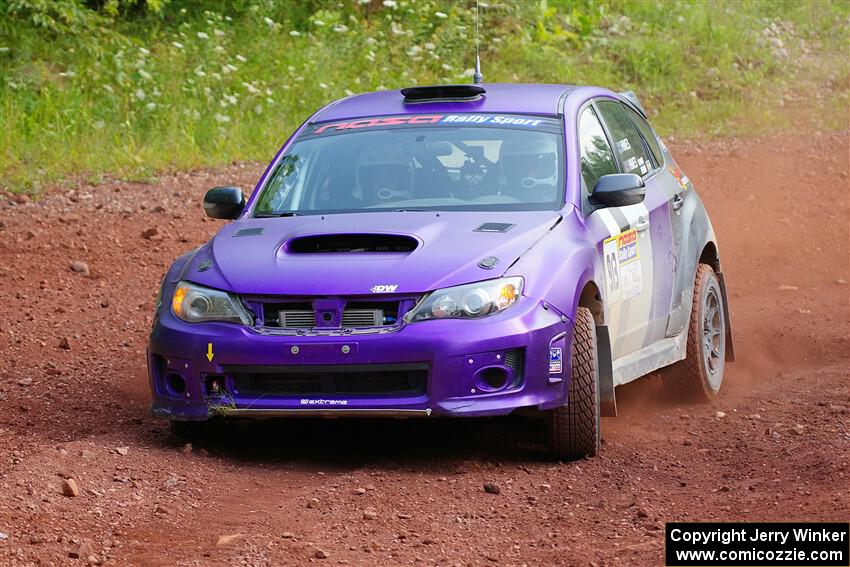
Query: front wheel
column 573, row 429
column 700, row 375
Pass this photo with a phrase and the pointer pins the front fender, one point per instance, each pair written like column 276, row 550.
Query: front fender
column 562, row 282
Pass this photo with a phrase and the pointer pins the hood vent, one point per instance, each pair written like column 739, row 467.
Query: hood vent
column 494, row 227
column 256, row 231
column 352, row 244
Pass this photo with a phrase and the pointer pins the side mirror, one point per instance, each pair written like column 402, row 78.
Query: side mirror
column 618, row 190
column 224, row 202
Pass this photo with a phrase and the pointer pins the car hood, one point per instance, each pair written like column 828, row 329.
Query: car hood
column 259, row 256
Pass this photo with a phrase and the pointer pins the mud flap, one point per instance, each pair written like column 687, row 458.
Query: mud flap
column 607, row 400
column 730, row 346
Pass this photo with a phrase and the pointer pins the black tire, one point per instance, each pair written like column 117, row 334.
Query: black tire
column 574, row 429
column 699, row 376
column 189, row 430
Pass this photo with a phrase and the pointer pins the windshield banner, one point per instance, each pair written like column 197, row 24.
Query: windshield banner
column 487, row 120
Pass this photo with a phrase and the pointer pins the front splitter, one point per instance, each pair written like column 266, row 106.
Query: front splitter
column 326, row 413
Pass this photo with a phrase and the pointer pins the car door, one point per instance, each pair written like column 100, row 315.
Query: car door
column 648, row 242
column 612, row 232
column 675, row 185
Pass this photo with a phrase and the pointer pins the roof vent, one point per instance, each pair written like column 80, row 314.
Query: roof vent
column 352, row 244
column 442, row 93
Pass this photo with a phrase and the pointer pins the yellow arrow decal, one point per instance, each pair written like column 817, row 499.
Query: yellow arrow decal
column 209, row 352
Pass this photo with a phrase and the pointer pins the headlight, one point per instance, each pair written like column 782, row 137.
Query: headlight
column 197, row 304
column 469, row 301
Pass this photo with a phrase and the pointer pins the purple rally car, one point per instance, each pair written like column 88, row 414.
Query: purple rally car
column 460, row 250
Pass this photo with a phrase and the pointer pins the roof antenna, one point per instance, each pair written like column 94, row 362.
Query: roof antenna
column 477, row 77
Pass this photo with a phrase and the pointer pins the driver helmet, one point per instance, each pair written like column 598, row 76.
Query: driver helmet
column 384, row 174
column 530, row 164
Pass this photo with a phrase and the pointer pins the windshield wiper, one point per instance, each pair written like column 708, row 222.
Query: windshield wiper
column 274, row 215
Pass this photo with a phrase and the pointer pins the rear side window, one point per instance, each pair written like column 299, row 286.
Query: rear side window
column 646, row 131
column 596, row 156
column 627, row 142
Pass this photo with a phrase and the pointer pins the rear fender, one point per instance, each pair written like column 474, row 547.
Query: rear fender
column 697, row 232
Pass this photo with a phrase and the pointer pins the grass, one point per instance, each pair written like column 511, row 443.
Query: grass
column 86, row 93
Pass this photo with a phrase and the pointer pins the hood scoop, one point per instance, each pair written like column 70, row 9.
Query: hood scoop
column 352, row 244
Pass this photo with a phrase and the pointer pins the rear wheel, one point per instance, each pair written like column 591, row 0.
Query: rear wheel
column 700, row 375
column 573, row 429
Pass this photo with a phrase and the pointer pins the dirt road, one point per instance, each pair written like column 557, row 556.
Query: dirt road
column 73, row 404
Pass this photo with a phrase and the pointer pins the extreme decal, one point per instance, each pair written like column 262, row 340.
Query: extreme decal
column 623, row 272
column 427, row 119
column 322, row 402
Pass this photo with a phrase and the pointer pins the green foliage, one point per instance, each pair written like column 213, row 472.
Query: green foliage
column 133, row 86
column 62, row 17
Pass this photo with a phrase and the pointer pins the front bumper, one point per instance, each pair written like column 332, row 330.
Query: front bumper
column 447, row 363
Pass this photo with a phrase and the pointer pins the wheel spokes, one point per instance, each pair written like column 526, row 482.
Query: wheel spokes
column 711, row 329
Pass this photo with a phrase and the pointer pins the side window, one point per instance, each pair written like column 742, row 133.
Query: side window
column 646, row 131
column 627, row 142
column 596, row 156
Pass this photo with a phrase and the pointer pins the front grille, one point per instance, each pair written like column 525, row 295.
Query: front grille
column 372, row 380
column 362, row 317
column 515, row 360
column 357, row 313
column 297, row 319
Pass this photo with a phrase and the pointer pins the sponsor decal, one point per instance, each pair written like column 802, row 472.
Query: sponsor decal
column 631, row 164
column 680, row 176
column 627, row 246
column 384, row 288
column 491, row 119
column 418, row 119
column 321, row 402
column 623, row 145
column 623, row 273
column 384, row 121
column 555, row 360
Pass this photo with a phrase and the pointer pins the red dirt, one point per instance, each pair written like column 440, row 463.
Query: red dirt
column 780, row 207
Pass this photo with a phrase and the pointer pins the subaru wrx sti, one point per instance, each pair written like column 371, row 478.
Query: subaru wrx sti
column 460, row 250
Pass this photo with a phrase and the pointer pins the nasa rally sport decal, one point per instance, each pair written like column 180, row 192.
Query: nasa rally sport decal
column 493, row 120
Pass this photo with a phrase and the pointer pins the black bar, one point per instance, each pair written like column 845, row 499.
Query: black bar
column 757, row 544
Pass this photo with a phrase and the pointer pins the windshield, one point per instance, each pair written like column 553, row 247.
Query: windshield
column 481, row 162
